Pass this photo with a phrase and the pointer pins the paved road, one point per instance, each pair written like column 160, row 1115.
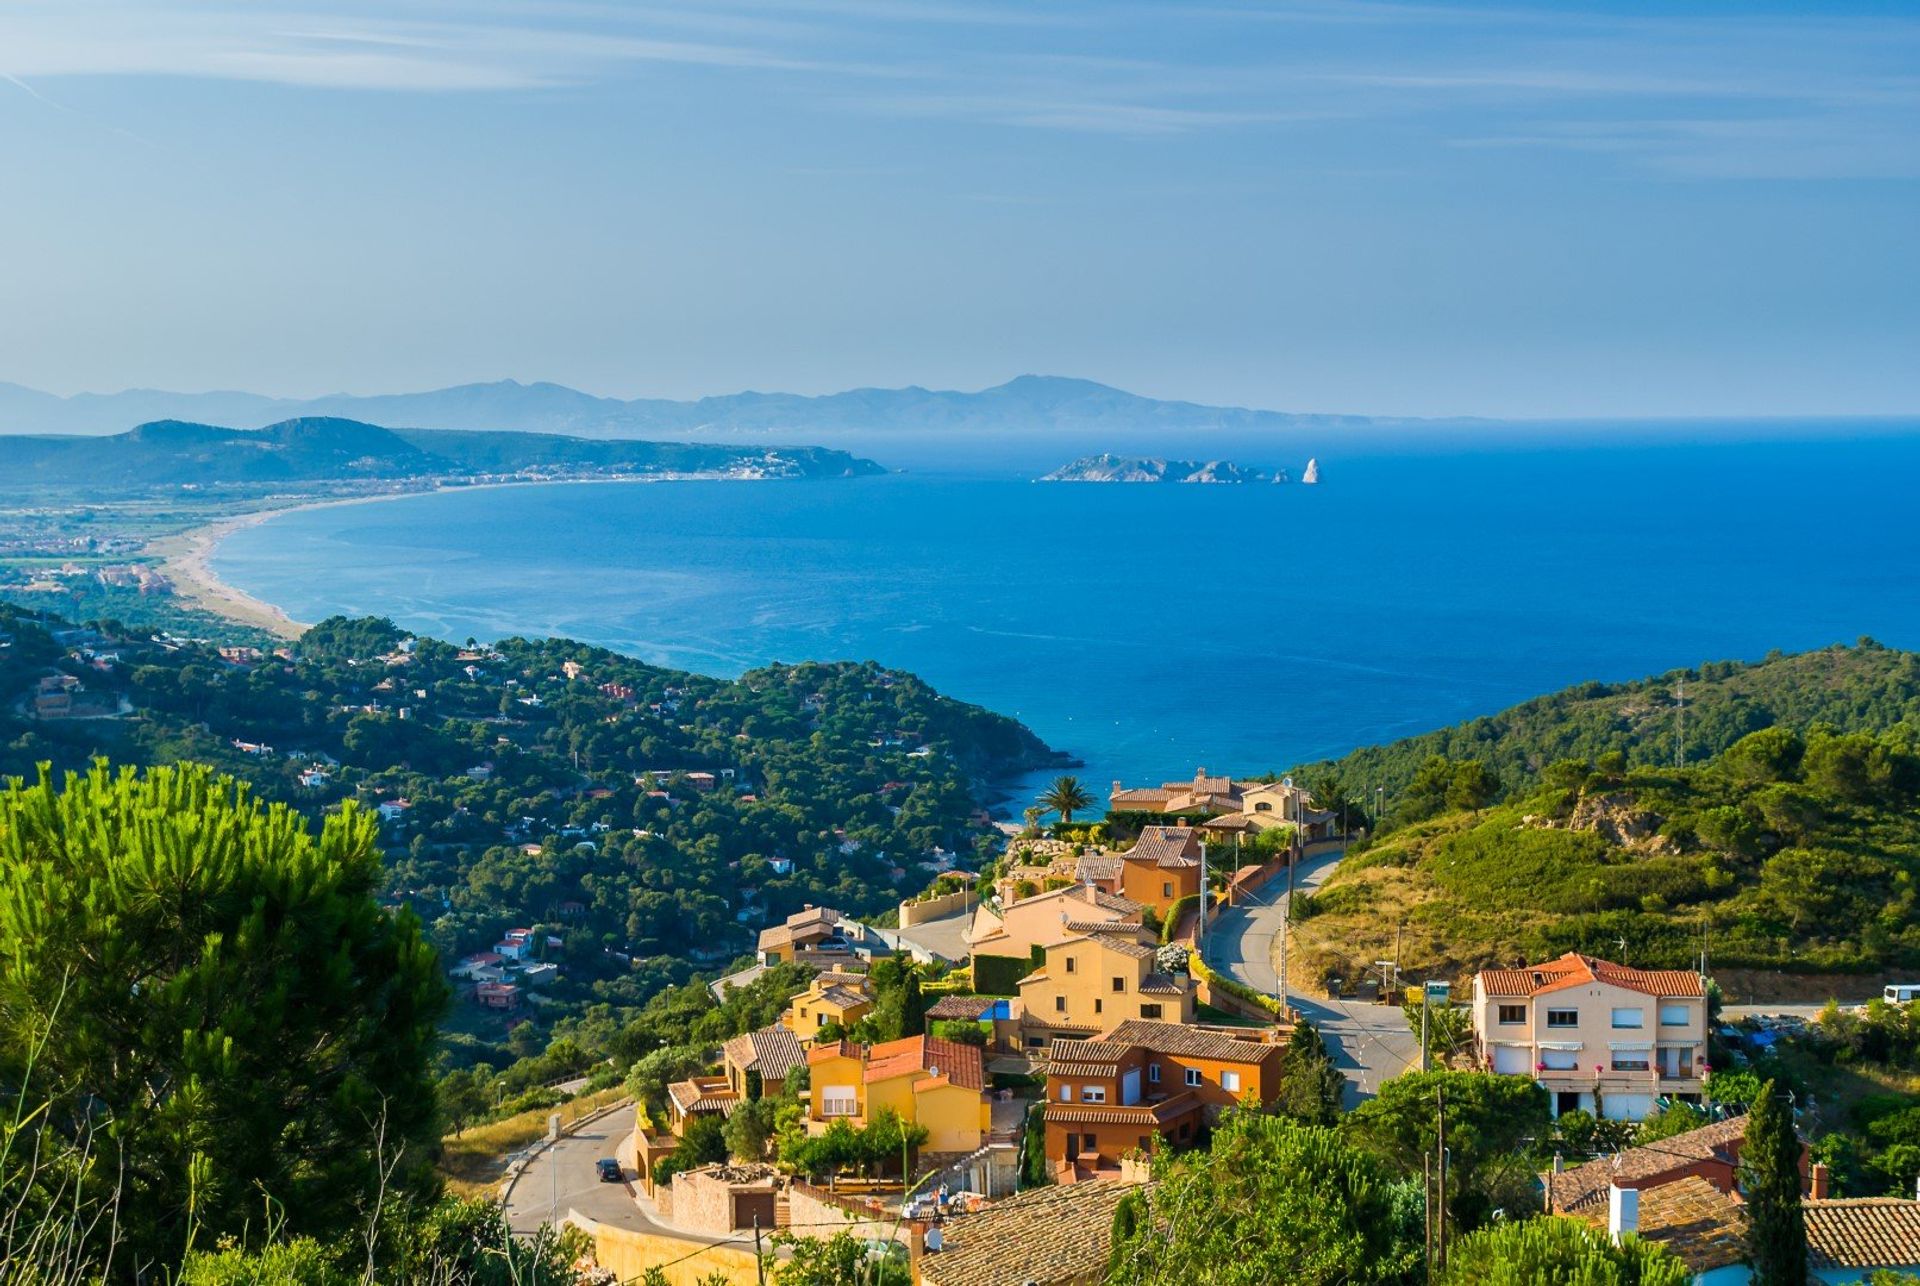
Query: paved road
column 1370, row 1043
column 562, row 1178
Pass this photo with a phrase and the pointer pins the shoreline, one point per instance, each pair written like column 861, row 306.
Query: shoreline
column 185, row 557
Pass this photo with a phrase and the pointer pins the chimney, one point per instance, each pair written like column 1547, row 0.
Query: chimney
column 1623, row 1211
column 916, row 1249
column 1821, row 1181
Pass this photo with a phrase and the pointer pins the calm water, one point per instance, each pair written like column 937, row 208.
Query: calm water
column 1150, row 630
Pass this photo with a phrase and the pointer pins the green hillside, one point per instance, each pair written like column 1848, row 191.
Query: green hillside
column 1863, row 687
column 1790, row 853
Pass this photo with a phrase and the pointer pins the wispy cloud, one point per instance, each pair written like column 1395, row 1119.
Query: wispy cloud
column 1485, row 77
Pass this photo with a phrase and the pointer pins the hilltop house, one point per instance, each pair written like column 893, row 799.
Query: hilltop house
column 1601, row 1037
column 1162, row 867
column 833, row 997
column 1096, row 976
column 1017, row 929
column 753, row 1065
column 1145, row 1085
column 1260, row 803
column 818, row 932
column 935, row 1083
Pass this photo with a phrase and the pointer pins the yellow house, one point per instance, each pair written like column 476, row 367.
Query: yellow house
column 1033, row 922
column 931, row 1082
column 833, row 997
column 1095, row 977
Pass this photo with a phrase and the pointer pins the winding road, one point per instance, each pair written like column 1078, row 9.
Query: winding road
column 1370, row 1042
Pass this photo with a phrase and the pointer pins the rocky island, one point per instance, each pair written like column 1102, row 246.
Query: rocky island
column 1124, row 468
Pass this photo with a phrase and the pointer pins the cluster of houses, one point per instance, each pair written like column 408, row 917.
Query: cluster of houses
column 505, row 976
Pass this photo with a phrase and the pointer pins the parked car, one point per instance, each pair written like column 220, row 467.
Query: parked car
column 610, row 1171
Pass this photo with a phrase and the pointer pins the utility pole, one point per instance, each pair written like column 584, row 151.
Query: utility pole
column 1426, row 1209
column 1398, row 930
column 1424, row 1062
column 1440, row 1105
column 1200, row 926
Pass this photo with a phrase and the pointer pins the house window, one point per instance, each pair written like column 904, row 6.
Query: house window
column 1090, row 1143
column 1066, row 1093
column 1093, row 1093
column 1070, row 964
column 1119, row 984
column 1230, row 1082
column 1676, row 1015
column 1186, row 1130
column 1193, row 1076
column 1511, row 1015
column 1149, row 1011
column 1560, row 1060
column 1096, row 1004
column 839, row 1100
column 1563, row 1017
column 1629, row 1018
column 1166, row 889
column 1059, row 1004
column 1631, row 1060
column 1153, row 1072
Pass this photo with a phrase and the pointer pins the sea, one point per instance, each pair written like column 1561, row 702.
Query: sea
column 1153, row 630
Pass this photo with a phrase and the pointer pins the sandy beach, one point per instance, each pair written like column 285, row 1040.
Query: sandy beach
column 186, row 558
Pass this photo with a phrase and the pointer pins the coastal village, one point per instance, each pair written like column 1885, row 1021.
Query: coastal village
column 973, row 1080
column 1071, row 1036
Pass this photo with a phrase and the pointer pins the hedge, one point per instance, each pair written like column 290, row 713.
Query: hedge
column 1179, row 908
column 1232, row 986
column 999, row 975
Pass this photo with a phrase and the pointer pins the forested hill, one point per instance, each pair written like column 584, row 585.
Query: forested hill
column 319, row 449
column 1789, row 853
column 1866, row 687
column 644, row 818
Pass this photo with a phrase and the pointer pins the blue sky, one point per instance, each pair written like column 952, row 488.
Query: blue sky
column 1528, row 210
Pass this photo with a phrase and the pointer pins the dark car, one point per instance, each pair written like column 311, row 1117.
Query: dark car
column 609, row 1170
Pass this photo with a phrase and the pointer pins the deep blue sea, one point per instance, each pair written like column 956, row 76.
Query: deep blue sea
column 1154, row 629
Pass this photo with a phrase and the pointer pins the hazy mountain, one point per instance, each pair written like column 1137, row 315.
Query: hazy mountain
column 331, row 449
column 1023, row 405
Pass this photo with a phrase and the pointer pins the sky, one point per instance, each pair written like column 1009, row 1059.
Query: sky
column 1648, row 209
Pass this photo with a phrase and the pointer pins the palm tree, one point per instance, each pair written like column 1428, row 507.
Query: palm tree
column 1066, row 797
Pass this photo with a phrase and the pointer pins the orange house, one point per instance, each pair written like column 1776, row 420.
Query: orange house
column 1162, row 868
column 1146, row 1085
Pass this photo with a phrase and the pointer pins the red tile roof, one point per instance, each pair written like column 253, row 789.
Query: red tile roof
column 960, row 1064
column 1863, row 1232
column 1640, row 1167
column 1167, row 847
column 1576, row 970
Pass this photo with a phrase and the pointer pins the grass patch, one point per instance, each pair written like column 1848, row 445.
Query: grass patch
column 474, row 1160
column 1221, row 1018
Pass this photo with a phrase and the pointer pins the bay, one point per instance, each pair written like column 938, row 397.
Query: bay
column 1151, row 630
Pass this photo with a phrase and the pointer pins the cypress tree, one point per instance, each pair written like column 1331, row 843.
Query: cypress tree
column 1770, row 1174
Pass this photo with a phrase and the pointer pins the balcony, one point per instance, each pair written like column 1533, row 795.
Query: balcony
column 1156, row 1114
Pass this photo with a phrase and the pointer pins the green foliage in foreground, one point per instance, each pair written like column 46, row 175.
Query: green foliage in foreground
column 204, row 1013
column 1493, row 1126
column 1557, row 1251
column 1273, row 1201
column 1770, row 1179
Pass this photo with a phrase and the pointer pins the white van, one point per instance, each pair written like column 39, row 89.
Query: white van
column 1900, row 993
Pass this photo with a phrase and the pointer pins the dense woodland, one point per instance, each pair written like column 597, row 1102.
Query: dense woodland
column 546, row 782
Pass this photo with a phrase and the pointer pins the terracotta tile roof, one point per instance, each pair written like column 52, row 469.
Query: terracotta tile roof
column 698, row 1096
column 845, row 997
column 1160, row 984
column 1086, row 1057
column 961, row 1064
column 1051, row 1236
column 1863, row 1232
column 1704, row 1226
column 772, row 1051
column 960, row 1008
column 1156, row 1114
column 798, row 925
column 1167, row 847
column 1576, row 970
column 1141, row 795
column 1097, row 866
column 1636, row 1167
column 1192, row 1042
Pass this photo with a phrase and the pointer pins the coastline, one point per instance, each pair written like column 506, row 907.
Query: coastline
column 185, row 558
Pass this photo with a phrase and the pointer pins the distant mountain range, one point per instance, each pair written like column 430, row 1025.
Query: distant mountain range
column 1023, row 405
column 324, row 449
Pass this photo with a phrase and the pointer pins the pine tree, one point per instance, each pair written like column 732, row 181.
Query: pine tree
column 209, row 999
column 1770, row 1174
